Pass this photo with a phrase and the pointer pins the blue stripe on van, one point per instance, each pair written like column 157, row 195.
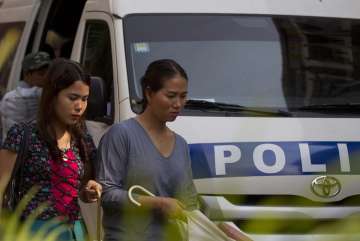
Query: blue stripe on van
column 203, row 159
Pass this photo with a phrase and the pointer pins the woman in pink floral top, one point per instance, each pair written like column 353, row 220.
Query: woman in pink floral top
column 60, row 152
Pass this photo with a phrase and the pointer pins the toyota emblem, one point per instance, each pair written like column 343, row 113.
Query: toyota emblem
column 325, row 186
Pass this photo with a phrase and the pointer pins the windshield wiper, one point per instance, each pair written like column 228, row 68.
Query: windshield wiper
column 205, row 105
column 331, row 107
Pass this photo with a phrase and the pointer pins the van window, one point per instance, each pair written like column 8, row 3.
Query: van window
column 302, row 65
column 10, row 35
column 97, row 61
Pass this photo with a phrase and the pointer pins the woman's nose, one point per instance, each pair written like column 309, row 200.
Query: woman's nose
column 78, row 106
column 177, row 102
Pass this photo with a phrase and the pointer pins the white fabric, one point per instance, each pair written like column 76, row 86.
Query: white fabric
column 19, row 105
column 198, row 226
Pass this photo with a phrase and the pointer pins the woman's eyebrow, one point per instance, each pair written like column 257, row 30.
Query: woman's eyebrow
column 77, row 95
column 175, row 92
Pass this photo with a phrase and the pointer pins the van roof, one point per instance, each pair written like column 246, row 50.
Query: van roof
column 321, row 8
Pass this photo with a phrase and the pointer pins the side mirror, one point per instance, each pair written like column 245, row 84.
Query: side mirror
column 97, row 102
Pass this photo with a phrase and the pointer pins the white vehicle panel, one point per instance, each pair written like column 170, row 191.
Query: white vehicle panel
column 276, row 185
column 196, row 130
column 333, row 8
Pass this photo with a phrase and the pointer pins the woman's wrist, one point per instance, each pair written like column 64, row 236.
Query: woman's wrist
column 150, row 202
column 82, row 195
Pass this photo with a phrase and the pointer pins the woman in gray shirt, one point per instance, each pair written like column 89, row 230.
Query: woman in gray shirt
column 144, row 151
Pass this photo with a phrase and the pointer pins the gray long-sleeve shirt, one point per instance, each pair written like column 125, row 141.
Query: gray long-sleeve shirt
column 19, row 105
column 127, row 157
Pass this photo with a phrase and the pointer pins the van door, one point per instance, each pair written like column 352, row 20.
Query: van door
column 94, row 48
column 17, row 18
column 95, row 52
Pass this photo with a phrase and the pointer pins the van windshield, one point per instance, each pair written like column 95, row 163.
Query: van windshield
column 301, row 65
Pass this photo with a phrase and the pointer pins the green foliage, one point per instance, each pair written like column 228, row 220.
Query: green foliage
column 13, row 229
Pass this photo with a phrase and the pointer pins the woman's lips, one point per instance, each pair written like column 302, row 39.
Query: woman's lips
column 174, row 113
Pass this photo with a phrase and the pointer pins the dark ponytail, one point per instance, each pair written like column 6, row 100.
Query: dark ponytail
column 157, row 73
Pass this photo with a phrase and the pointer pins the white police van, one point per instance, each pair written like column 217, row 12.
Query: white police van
column 274, row 89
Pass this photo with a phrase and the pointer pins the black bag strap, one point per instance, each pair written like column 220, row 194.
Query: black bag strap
column 18, row 170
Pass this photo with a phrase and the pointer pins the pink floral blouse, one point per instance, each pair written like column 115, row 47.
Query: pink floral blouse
column 59, row 182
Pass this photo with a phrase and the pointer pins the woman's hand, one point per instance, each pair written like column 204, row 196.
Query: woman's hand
column 171, row 207
column 91, row 191
column 233, row 233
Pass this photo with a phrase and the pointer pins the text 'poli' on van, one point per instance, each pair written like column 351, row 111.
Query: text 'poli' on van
column 274, row 97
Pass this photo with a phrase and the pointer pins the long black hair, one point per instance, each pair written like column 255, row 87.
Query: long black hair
column 61, row 74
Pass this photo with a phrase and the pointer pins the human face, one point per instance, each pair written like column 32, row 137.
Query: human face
column 71, row 103
column 167, row 102
column 37, row 77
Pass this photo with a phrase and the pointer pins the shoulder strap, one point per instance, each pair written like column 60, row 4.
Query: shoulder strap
column 18, row 168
